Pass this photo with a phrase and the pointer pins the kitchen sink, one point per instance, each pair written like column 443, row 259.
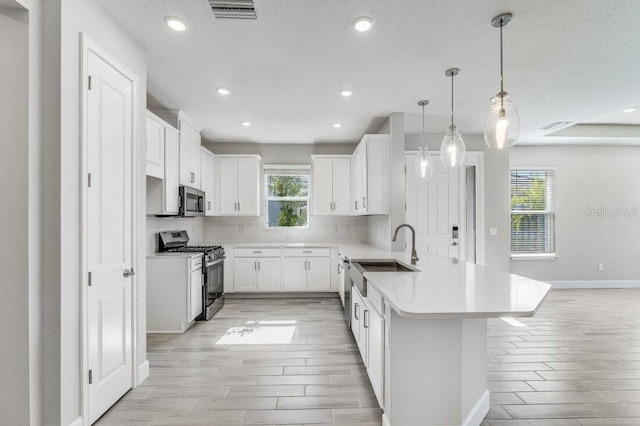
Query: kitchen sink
column 383, row 265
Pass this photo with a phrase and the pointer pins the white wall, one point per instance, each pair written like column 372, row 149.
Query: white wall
column 588, row 177
column 15, row 330
column 252, row 230
column 496, row 193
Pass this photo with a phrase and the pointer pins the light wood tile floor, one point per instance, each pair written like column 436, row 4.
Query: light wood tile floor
column 577, row 362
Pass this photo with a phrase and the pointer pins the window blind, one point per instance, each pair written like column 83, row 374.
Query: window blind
column 532, row 211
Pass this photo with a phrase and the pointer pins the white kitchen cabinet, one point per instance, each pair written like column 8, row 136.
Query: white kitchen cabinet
column 190, row 143
column 358, row 308
column 331, row 185
column 174, row 292
column 238, row 182
column 155, row 146
column 370, row 176
column 162, row 194
column 374, row 324
column 207, row 180
column 307, row 269
column 195, row 296
column 367, row 326
column 256, row 270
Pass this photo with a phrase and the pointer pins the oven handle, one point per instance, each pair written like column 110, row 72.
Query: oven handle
column 215, row 262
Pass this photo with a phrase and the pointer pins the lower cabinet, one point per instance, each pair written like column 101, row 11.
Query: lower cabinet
column 367, row 325
column 307, row 269
column 174, row 292
column 257, row 273
column 275, row 269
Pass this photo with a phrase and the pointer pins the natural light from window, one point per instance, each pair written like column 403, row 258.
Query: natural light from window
column 260, row 332
column 287, row 198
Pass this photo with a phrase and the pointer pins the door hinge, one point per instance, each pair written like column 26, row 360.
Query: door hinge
column 405, row 169
column 90, row 377
column 89, row 180
column 89, row 82
column 89, row 280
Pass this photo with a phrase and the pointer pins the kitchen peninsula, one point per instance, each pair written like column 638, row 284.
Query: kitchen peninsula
column 426, row 334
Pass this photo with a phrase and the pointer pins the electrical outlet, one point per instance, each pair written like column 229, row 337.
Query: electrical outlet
column 493, row 231
column 241, row 229
column 600, row 266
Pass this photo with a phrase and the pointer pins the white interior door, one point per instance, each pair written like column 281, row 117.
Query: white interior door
column 109, row 250
column 432, row 208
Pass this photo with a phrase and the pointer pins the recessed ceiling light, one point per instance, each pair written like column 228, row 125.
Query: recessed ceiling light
column 246, row 124
column 175, row 23
column 363, row 24
column 223, row 91
column 346, row 92
column 337, row 125
column 632, row 109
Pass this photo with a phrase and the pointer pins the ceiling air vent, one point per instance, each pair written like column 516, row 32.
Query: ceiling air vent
column 233, row 9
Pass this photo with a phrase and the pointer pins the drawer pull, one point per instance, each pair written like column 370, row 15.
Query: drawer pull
column 257, row 251
column 307, row 251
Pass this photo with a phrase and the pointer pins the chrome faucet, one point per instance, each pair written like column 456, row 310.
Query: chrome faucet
column 414, row 253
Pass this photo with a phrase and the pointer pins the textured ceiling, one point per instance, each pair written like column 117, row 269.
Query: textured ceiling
column 570, row 60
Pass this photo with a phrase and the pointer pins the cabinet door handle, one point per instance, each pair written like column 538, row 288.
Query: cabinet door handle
column 364, row 202
column 255, row 265
column 238, row 205
column 193, row 177
column 366, row 318
column 355, row 311
column 258, row 265
column 356, row 204
column 235, row 206
column 208, row 205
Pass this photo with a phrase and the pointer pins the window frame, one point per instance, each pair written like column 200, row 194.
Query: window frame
column 549, row 211
column 286, row 170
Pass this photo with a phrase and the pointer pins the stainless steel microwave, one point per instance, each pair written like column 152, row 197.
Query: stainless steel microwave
column 192, row 202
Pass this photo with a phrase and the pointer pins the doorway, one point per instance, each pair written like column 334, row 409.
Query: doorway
column 108, row 229
column 445, row 209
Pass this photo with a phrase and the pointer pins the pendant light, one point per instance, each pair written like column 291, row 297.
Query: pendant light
column 452, row 149
column 424, row 164
column 502, row 127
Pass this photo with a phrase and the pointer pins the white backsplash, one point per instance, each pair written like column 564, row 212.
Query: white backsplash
column 193, row 226
column 378, row 231
column 342, row 229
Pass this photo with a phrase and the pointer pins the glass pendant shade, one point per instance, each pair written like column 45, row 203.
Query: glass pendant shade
column 424, row 164
column 452, row 150
column 502, row 127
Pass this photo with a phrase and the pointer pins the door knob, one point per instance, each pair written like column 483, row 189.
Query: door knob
column 128, row 273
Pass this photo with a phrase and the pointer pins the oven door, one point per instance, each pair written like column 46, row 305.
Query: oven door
column 213, row 289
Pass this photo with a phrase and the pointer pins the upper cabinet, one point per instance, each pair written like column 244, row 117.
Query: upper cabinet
column 155, row 146
column 207, row 180
column 238, row 183
column 162, row 143
column 190, row 143
column 331, row 185
column 189, row 147
column 370, row 176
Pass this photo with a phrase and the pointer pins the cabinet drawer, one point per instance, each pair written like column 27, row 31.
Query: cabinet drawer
column 257, row 252
column 307, row 252
column 196, row 263
column 374, row 298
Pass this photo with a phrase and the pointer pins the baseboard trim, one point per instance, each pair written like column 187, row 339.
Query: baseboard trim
column 595, row 284
column 284, row 295
column 143, row 372
column 479, row 411
column 77, row 422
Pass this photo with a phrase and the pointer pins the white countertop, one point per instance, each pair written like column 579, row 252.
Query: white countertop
column 445, row 288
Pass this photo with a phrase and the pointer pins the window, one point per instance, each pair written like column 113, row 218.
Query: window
column 287, row 197
column 532, row 212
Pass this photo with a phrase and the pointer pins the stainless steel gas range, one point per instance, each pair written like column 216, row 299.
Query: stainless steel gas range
column 212, row 268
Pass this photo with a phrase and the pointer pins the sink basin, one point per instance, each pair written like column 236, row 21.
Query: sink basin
column 384, row 265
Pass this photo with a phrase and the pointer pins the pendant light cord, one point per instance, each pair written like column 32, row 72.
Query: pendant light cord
column 452, row 100
column 501, row 68
column 423, row 124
